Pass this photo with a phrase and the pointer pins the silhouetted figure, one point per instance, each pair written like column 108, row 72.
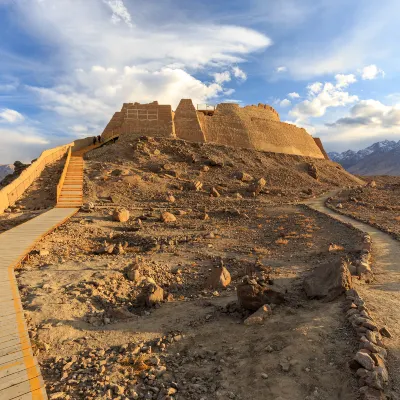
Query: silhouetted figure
column 99, row 139
column 94, row 140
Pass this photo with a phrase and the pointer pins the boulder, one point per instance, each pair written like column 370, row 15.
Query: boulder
column 259, row 316
column 219, row 278
column 121, row 215
column 252, row 296
column 328, row 281
column 167, row 217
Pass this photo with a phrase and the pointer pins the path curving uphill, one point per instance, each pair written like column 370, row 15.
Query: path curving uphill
column 383, row 295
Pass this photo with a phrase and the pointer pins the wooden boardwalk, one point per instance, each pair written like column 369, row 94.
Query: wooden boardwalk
column 71, row 195
column 20, row 376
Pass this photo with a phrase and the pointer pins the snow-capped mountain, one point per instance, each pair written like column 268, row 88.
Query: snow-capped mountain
column 5, row 170
column 381, row 158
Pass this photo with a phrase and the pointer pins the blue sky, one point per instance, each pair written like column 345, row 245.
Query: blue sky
column 67, row 65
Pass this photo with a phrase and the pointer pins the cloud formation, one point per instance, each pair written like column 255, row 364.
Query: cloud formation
column 371, row 72
column 10, row 116
column 320, row 97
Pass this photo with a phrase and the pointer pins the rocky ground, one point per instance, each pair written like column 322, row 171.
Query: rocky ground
column 150, row 291
column 377, row 203
column 38, row 198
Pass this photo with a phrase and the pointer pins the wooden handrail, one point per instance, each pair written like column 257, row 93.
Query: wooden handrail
column 64, row 174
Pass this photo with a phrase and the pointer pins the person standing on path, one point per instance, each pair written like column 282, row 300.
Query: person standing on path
column 94, row 140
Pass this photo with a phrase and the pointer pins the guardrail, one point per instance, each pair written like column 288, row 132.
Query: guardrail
column 64, row 174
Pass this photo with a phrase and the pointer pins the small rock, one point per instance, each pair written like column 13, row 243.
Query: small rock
column 259, row 316
column 214, row 192
column 285, row 365
column 365, row 360
column 167, row 217
column 243, row 176
column 121, row 215
column 154, row 294
column 219, row 277
column 384, row 331
column 44, row 252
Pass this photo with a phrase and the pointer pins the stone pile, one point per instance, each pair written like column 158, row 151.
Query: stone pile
column 132, row 371
column 369, row 362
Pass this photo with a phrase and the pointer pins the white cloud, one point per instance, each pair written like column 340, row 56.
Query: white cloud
column 294, row 95
column 281, row 69
column 221, row 77
column 239, row 74
column 285, row 103
column 345, row 80
column 315, row 87
column 10, row 116
column 371, row 113
column 120, row 12
column 320, row 98
column 371, row 72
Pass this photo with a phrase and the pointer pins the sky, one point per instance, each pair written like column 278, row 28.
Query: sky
column 67, row 65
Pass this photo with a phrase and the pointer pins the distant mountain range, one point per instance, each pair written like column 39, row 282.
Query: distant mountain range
column 381, row 158
column 5, row 170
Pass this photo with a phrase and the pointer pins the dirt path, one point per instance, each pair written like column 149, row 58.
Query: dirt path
column 383, row 295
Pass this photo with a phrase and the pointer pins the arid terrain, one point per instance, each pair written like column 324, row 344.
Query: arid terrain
column 377, row 204
column 98, row 331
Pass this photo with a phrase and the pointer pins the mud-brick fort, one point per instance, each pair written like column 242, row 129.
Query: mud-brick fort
column 254, row 127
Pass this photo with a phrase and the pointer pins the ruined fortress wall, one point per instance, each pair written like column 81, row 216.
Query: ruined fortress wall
column 254, row 127
column 141, row 119
column 279, row 137
column 226, row 127
column 259, row 128
column 318, row 142
column 114, row 126
column 187, row 123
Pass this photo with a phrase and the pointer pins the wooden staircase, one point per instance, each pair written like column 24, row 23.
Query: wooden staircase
column 71, row 190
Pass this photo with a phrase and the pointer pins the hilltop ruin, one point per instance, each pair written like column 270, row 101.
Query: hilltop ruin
column 254, row 127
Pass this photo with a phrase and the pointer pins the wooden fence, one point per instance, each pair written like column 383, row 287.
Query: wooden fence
column 64, row 174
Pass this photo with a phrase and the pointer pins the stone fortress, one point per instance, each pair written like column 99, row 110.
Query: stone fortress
column 254, row 127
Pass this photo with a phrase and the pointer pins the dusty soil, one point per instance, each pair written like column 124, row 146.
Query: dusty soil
column 38, row 198
column 377, row 206
column 147, row 169
column 74, row 297
column 96, row 338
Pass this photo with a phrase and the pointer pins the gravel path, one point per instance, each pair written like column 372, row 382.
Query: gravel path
column 383, row 295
